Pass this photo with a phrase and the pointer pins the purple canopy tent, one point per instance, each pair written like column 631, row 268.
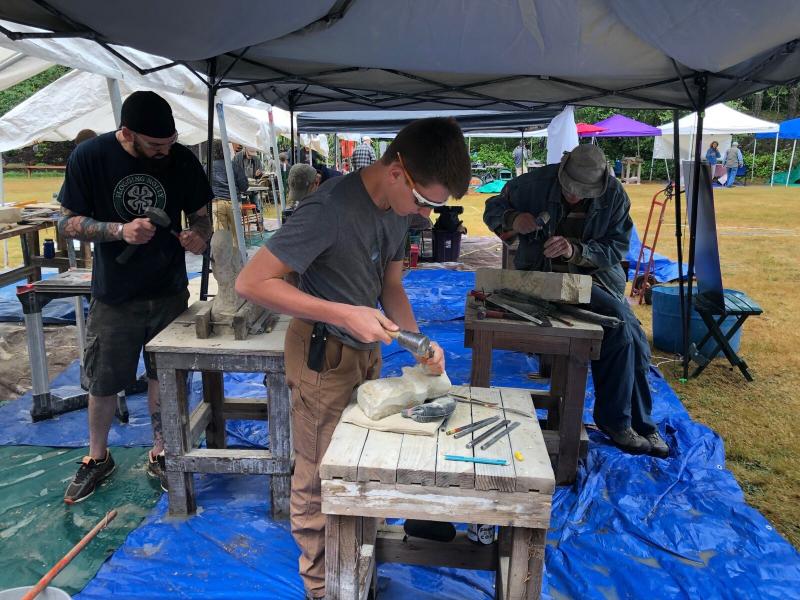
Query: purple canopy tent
column 622, row 126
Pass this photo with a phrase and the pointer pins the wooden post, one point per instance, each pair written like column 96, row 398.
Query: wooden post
column 341, row 557
column 279, row 439
column 175, row 419
column 214, row 394
column 481, row 358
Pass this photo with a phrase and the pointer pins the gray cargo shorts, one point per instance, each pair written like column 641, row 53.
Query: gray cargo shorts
column 116, row 335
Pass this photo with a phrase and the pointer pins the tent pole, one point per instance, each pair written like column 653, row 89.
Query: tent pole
column 666, row 166
column 701, row 82
column 291, row 135
column 791, row 161
column 652, row 158
column 279, row 175
column 212, row 91
column 774, row 158
column 637, row 147
column 116, row 99
column 676, row 152
column 753, row 171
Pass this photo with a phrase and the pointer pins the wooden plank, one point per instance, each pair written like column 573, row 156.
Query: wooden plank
column 344, row 451
column 492, row 477
column 175, row 421
column 551, row 442
column 417, row 462
column 481, row 370
column 249, row 461
column 180, row 336
column 366, row 569
column 565, row 287
column 342, row 550
column 202, row 321
column 279, row 407
column 572, row 415
column 380, row 456
column 198, row 421
column 246, row 408
column 392, row 545
column 534, row 471
column 373, row 499
column 579, row 328
column 526, row 563
column 452, row 473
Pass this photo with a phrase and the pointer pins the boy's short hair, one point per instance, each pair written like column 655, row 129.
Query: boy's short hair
column 433, row 151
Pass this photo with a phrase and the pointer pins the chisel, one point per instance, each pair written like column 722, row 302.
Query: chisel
column 501, row 425
column 464, row 430
column 500, row 435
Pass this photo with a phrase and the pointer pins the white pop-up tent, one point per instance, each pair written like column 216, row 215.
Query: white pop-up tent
column 16, row 66
column 80, row 100
column 720, row 123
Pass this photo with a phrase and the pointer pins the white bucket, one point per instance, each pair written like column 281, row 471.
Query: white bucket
column 49, row 593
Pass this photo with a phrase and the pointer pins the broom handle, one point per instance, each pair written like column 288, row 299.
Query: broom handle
column 50, row 575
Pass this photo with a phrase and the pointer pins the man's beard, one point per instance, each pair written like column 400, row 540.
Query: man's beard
column 156, row 164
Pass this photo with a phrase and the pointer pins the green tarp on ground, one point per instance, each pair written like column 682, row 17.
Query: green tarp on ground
column 37, row 528
column 780, row 177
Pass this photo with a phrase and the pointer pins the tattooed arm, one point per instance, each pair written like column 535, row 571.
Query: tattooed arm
column 196, row 237
column 86, row 229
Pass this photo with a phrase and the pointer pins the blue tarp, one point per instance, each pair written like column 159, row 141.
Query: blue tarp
column 630, row 527
column 664, row 269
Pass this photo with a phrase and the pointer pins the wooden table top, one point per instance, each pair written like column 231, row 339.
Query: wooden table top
column 357, row 454
column 179, row 337
column 579, row 329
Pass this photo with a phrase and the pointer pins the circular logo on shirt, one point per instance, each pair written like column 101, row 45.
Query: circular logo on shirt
column 135, row 193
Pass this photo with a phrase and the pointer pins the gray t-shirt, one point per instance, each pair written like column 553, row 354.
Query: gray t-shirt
column 340, row 244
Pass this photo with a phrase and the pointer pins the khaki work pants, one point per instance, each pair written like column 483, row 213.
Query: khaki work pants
column 318, row 400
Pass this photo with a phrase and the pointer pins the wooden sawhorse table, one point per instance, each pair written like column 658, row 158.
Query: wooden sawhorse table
column 571, row 349
column 178, row 352
column 371, row 475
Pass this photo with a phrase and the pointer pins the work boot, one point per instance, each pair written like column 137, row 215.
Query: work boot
column 658, row 447
column 628, row 440
column 157, row 467
column 90, row 473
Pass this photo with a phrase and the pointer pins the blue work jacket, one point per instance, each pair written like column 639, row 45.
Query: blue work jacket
column 606, row 233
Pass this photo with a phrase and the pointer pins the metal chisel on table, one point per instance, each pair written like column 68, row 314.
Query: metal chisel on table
column 462, row 431
column 501, row 425
column 500, row 435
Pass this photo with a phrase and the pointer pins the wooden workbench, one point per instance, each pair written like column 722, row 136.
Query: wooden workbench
column 571, row 349
column 178, row 352
column 370, row 475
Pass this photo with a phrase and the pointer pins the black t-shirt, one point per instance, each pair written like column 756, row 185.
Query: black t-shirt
column 106, row 183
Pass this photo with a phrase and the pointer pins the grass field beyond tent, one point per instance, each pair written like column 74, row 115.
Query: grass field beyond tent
column 759, row 238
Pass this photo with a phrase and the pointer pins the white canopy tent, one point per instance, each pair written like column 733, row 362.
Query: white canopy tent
column 719, row 124
column 16, row 66
column 80, row 100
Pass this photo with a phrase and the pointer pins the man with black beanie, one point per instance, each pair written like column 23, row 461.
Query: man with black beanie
column 110, row 181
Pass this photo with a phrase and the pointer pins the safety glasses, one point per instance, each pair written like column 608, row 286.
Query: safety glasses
column 419, row 199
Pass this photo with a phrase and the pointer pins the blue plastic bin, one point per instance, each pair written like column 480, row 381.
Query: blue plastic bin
column 667, row 327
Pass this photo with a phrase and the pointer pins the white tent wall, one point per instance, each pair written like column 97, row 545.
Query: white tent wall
column 81, row 100
column 562, row 135
column 720, row 122
column 16, row 67
column 663, row 145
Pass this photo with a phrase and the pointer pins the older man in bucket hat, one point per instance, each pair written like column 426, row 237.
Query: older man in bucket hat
column 588, row 232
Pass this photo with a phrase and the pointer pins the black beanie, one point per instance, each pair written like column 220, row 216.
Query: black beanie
column 149, row 114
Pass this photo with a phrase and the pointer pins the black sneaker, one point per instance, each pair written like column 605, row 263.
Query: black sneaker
column 658, row 447
column 88, row 477
column 628, row 440
column 158, row 468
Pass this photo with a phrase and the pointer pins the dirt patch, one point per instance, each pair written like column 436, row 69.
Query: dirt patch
column 61, row 344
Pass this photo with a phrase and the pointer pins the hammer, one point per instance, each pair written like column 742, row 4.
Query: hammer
column 416, row 343
column 159, row 218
